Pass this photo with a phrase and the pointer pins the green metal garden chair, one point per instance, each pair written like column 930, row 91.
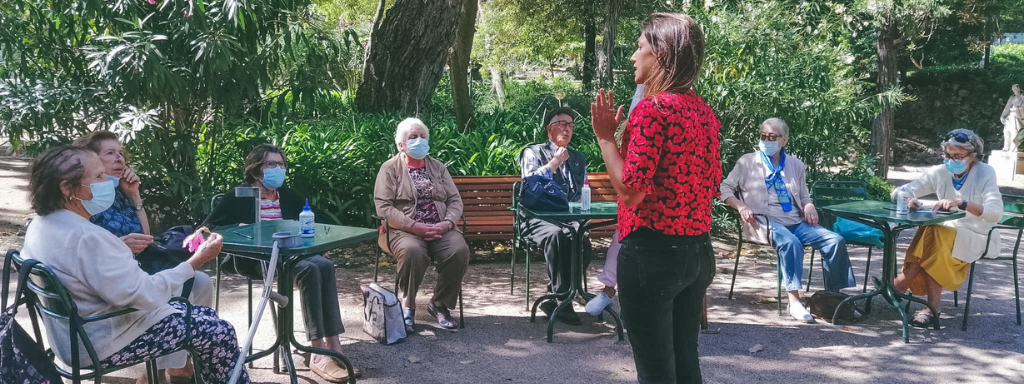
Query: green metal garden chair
column 1012, row 221
column 825, row 193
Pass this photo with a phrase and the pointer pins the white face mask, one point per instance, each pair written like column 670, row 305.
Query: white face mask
column 769, row 148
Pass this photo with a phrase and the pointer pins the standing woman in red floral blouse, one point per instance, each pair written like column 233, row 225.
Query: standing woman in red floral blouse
column 666, row 175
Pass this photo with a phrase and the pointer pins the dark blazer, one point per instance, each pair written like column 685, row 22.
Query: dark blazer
column 234, row 210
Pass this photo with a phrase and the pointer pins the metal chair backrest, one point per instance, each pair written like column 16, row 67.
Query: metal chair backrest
column 53, row 301
column 826, row 192
column 1013, row 204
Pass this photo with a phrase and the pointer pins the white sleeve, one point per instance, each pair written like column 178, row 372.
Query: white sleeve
column 107, row 266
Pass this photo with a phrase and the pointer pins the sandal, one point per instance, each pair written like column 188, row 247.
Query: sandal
column 922, row 319
column 444, row 317
column 410, row 325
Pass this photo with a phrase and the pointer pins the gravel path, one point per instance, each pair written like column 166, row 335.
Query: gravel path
column 501, row 345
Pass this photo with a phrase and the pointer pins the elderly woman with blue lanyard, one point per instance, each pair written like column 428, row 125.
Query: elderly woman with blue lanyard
column 773, row 183
column 939, row 255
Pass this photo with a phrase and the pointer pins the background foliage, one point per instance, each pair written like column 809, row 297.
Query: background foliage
column 192, row 86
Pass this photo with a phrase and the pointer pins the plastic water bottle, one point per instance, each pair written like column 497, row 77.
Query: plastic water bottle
column 903, row 201
column 307, row 224
column 585, row 196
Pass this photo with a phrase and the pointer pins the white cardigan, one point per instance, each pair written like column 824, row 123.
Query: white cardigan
column 979, row 188
column 102, row 276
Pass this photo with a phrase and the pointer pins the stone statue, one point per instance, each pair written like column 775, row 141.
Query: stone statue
column 1013, row 120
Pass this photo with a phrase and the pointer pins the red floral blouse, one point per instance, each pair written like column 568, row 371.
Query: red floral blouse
column 671, row 152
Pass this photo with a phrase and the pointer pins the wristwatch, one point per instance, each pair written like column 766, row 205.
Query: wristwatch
column 138, row 207
column 963, row 205
column 451, row 225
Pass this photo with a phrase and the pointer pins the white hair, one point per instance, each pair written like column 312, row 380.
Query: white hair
column 403, row 129
column 778, row 124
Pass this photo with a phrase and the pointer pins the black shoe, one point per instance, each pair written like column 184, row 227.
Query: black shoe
column 566, row 316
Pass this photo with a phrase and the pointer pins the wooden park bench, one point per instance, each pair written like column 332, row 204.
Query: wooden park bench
column 487, row 200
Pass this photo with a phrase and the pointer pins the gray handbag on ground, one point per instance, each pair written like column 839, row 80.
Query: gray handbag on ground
column 382, row 314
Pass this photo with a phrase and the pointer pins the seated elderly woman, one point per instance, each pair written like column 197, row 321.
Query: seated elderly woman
column 128, row 220
column 418, row 200
column 939, row 255
column 68, row 186
column 773, row 183
column 266, row 168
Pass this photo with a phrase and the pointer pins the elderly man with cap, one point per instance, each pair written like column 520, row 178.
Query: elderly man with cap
column 568, row 168
column 939, row 255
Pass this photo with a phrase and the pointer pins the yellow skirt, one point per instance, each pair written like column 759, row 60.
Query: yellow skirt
column 933, row 249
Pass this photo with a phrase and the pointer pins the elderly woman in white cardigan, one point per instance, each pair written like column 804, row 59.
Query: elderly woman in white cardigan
column 940, row 255
column 68, row 185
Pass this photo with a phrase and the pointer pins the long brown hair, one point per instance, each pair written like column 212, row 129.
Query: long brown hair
column 677, row 41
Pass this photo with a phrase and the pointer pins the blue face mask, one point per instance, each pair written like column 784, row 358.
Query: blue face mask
column 102, row 197
column 769, row 148
column 417, row 148
column 273, row 178
column 955, row 166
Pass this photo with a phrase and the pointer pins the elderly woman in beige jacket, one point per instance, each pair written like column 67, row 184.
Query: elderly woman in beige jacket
column 939, row 255
column 415, row 194
column 773, row 183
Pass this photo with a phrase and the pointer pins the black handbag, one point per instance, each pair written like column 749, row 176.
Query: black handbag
column 542, row 194
column 167, row 250
column 22, row 359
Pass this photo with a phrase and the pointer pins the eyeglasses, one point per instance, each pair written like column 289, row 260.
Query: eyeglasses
column 957, row 157
column 563, row 124
column 274, row 164
column 959, row 137
column 770, row 137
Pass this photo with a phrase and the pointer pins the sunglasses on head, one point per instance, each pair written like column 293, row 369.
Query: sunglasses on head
column 959, row 137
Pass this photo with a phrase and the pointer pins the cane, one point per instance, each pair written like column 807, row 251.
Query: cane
column 268, row 294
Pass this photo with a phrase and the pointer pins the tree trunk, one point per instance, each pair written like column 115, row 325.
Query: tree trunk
column 498, row 83
column 458, row 64
column 882, row 128
column 407, row 56
column 589, row 53
column 606, row 56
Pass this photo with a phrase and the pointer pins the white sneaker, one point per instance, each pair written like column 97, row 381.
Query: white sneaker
column 596, row 305
column 800, row 313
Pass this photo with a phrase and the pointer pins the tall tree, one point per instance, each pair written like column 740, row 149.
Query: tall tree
column 899, row 25
column 407, row 55
column 606, row 55
column 458, row 63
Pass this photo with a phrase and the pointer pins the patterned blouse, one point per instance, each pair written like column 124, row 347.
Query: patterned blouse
column 270, row 209
column 671, row 154
column 426, row 211
column 121, row 218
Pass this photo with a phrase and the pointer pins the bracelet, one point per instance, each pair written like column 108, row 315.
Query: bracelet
column 138, row 207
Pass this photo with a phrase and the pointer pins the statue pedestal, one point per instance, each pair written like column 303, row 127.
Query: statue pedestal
column 1008, row 165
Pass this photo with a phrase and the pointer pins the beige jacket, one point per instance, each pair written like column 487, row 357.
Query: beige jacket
column 746, row 183
column 394, row 196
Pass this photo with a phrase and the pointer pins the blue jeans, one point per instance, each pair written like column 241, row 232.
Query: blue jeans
column 662, row 279
column 835, row 261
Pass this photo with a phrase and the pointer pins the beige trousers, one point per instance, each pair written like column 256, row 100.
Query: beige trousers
column 450, row 253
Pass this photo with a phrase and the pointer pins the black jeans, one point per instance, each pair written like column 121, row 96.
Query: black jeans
column 318, row 295
column 662, row 279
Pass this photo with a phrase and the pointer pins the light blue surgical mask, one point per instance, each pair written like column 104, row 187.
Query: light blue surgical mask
column 102, row 197
column 417, row 148
column 273, row 178
column 769, row 148
column 955, row 166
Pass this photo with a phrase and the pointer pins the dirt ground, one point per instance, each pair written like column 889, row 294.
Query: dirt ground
column 753, row 344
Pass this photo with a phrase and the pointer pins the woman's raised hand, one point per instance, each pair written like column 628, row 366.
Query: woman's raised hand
column 207, row 251
column 130, row 185
column 604, row 118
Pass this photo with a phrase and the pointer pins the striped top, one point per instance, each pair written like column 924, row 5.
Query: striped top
column 270, row 209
